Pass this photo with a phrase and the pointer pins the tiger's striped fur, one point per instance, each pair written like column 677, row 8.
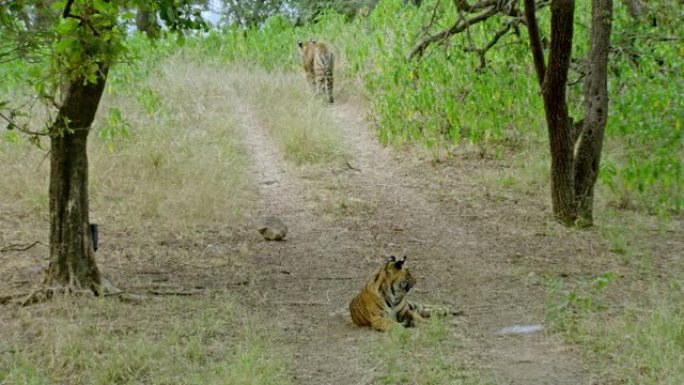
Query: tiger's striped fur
column 318, row 63
column 382, row 303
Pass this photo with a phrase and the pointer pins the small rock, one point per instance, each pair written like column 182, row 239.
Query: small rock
column 520, row 329
column 272, row 228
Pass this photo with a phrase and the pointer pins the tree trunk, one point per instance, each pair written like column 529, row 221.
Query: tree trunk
column 574, row 166
column 588, row 155
column 556, row 109
column 72, row 258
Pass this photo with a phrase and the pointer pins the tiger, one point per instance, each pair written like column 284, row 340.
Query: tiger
column 382, row 303
column 318, row 63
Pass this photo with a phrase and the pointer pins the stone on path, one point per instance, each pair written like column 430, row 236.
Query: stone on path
column 271, row 228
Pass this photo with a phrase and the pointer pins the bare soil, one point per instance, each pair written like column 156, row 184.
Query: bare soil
column 465, row 246
column 472, row 245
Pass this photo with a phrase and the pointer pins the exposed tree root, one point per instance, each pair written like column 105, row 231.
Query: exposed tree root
column 44, row 294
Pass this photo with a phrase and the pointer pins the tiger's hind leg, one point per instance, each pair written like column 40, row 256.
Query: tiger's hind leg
column 329, row 86
column 311, row 79
column 382, row 324
column 320, row 84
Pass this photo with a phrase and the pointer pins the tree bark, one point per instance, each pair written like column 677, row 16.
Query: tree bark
column 588, row 157
column 72, row 258
column 556, row 109
column 575, row 148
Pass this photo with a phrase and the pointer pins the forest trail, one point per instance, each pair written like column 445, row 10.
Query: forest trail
column 345, row 219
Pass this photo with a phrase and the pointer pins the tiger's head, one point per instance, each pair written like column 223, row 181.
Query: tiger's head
column 306, row 46
column 398, row 275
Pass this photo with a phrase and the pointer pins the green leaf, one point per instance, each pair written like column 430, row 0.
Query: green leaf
column 103, row 7
column 58, row 5
column 66, row 26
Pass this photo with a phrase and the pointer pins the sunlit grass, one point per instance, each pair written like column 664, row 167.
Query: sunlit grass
column 182, row 163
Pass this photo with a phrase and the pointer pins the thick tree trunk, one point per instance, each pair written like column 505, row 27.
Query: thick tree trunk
column 588, row 157
column 556, row 108
column 72, row 258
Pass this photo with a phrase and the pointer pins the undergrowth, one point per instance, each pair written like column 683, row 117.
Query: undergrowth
column 424, row 355
column 208, row 340
column 630, row 335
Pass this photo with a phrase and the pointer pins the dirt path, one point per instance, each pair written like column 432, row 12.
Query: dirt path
column 381, row 206
column 298, row 280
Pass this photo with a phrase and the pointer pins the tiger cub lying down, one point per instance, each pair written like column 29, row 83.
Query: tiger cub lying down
column 382, row 303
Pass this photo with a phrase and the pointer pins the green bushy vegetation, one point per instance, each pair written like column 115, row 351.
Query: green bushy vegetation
column 445, row 99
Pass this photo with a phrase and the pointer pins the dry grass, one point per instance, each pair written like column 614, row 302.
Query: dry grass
column 183, row 165
column 300, row 123
column 425, row 355
column 200, row 340
column 165, row 195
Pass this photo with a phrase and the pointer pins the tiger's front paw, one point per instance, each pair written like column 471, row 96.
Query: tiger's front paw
column 383, row 324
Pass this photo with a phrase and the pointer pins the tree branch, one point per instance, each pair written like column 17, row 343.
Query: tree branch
column 463, row 6
column 25, row 130
column 482, row 52
column 67, row 9
column 460, row 26
column 491, row 7
column 535, row 40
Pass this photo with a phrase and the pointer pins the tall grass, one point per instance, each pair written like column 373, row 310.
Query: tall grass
column 166, row 150
column 181, row 163
column 300, row 123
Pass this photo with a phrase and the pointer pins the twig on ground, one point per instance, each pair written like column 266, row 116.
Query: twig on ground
column 351, row 167
column 178, row 293
column 305, row 303
column 19, row 247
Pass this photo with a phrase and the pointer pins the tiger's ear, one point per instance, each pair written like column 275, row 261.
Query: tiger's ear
column 400, row 263
column 300, row 44
column 391, row 259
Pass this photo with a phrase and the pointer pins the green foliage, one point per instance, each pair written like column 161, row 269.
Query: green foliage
column 565, row 308
column 446, row 99
column 64, row 41
column 642, row 340
column 115, row 126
